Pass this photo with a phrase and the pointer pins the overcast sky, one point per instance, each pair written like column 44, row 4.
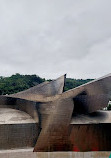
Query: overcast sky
column 53, row 37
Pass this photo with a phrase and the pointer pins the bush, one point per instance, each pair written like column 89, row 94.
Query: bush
column 109, row 106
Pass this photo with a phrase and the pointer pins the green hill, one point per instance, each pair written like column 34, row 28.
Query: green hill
column 72, row 83
column 18, row 82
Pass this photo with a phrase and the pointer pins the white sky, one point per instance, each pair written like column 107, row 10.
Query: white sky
column 52, row 37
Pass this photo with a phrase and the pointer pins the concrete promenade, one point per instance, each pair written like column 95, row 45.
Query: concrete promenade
column 28, row 153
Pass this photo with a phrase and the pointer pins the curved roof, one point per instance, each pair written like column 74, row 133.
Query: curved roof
column 13, row 116
column 97, row 117
column 45, row 89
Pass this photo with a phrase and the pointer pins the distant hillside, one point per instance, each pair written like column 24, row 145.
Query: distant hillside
column 17, row 83
column 72, row 83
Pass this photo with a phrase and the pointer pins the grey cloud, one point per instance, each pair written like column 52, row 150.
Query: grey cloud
column 50, row 38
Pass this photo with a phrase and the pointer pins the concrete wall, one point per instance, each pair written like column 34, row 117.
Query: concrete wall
column 90, row 137
column 18, row 135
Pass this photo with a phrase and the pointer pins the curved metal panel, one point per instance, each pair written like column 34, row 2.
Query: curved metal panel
column 54, row 113
column 54, row 135
column 92, row 96
column 42, row 90
column 20, row 104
